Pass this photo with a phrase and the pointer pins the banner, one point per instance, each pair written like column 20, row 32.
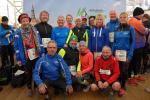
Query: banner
column 74, row 7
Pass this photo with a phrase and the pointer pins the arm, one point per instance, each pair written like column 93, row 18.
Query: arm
column 66, row 71
column 36, row 72
column 90, row 64
column 106, row 37
column 90, row 39
column 96, row 69
column 132, row 45
column 42, row 51
column 116, row 72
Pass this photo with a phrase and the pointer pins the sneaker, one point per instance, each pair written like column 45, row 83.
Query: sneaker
column 133, row 82
column 86, row 89
column 140, row 78
column 121, row 92
column 30, row 92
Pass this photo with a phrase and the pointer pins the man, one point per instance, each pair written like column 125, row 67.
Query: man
column 84, row 23
column 140, row 39
column 69, row 23
column 106, row 70
column 28, row 47
column 48, row 70
column 6, row 39
column 79, row 31
column 44, row 28
column 112, row 25
column 60, row 33
column 84, row 71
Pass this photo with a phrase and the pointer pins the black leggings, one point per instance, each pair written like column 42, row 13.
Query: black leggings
column 123, row 73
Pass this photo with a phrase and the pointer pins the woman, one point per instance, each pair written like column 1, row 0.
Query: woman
column 28, row 47
column 123, row 47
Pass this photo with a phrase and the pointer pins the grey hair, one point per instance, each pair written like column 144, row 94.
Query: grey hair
column 106, row 47
column 52, row 41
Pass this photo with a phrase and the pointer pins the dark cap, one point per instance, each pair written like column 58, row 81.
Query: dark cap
column 138, row 11
column 4, row 19
column 23, row 15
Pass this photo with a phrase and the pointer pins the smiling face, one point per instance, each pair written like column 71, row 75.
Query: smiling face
column 113, row 15
column 123, row 18
column 51, row 48
column 44, row 16
column 60, row 21
column 69, row 19
column 99, row 21
column 25, row 22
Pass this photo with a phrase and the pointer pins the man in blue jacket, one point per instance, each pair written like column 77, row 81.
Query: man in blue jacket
column 48, row 71
column 6, row 39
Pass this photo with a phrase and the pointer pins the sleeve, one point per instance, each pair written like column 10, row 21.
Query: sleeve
column 36, row 72
column 90, row 39
column 16, row 45
column 2, row 32
column 116, row 72
column 132, row 45
column 90, row 65
column 66, row 71
column 96, row 69
column 53, row 34
column 42, row 50
column 106, row 37
column 138, row 26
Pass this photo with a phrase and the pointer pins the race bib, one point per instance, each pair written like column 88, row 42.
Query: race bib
column 97, row 54
column 73, row 70
column 32, row 54
column 111, row 36
column 45, row 41
column 106, row 72
column 121, row 55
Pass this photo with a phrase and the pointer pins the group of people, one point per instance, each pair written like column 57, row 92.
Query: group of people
column 78, row 56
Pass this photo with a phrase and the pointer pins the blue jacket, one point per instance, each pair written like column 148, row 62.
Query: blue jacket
column 19, row 47
column 50, row 68
column 124, row 40
column 98, row 37
column 112, row 25
column 60, row 36
column 3, row 33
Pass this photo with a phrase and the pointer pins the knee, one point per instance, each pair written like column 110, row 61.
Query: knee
column 94, row 87
column 116, row 86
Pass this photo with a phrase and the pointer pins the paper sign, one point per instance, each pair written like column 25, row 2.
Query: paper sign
column 73, row 70
column 121, row 55
column 45, row 41
column 32, row 54
column 107, row 72
column 111, row 36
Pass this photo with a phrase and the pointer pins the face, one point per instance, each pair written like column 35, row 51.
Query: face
column 44, row 17
column 5, row 23
column 60, row 21
column 73, row 43
column 78, row 22
column 51, row 49
column 99, row 21
column 25, row 22
column 69, row 19
column 106, row 52
column 84, row 21
column 123, row 19
column 112, row 15
column 82, row 48
column 91, row 21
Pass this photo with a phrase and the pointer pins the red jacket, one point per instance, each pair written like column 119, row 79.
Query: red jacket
column 107, row 70
column 86, row 62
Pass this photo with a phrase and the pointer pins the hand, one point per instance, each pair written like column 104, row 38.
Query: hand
column 42, row 88
column 7, row 35
column 79, row 74
column 19, row 63
column 105, row 84
column 65, row 45
column 69, row 89
column 100, row 84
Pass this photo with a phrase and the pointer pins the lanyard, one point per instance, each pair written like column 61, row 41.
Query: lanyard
column 100, row 33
